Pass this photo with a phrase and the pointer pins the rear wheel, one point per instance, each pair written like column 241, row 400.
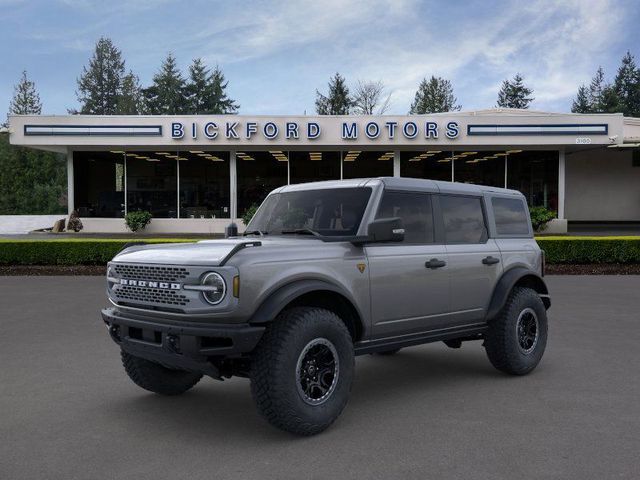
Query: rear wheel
column 302, row 370
column 517, row 337
column 156, row 378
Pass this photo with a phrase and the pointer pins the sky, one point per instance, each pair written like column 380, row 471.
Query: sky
column 275, row 54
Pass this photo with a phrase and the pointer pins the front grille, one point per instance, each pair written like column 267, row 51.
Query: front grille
column 147, row 272
column 150, row 295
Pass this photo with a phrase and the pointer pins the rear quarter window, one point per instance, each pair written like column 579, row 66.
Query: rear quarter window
column 511, row 216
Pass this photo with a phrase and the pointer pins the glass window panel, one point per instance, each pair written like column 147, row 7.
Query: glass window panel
column 204, row 184
column 431, row 164
column 152, row 184
column 511, row 216
column 480, row 167
column 99, row 184
column 535, row 174
column 314, row 166
column 258, row 174
column 364, row 164
column 463, row 219
column 414, row 209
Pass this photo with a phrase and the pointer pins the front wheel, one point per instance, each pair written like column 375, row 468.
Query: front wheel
column 517, row 337
column 302, row 370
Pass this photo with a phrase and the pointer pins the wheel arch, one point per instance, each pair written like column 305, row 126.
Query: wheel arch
column 516, row 277
column 313, row 293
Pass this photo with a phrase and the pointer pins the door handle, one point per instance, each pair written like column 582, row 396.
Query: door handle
column 490, row 260
column 435, row 263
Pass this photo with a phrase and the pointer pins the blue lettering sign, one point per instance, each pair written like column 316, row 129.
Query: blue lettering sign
column 431, row 130
column 453, row 130
column 252, row 127
column 291, row 130
column 177, row 130
column 210, row 130
column 270, row 130
column 230, row 130
column 391, row 127
column 372, row 130
column 313, row 130
column 194, row 130
column 410, row 130
column 349, row 131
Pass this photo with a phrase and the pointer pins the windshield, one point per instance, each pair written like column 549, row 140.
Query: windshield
column 327, row 212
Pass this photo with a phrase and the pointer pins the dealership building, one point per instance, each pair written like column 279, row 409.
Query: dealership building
column 197, row 173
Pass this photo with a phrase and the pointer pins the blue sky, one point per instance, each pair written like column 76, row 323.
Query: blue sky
column 276, row 53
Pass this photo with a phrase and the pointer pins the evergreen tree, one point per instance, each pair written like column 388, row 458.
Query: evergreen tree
column 627, row 86
column 337, row 101
column 514, row 93
column 130, row 101
column 26, row 100
column 596, row 88
column 166, row 96
column 434, row 95
column 581, row 104
column 100, row 84
column 206, row 92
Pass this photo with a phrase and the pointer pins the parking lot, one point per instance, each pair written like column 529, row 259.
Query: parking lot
column 68, row 410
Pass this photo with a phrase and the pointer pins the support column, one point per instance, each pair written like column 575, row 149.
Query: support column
column 70, row 192
column 561, row 183
column 233, row 186
column 396, row 163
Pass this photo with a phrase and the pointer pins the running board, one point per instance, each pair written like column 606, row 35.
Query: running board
column 466, row 332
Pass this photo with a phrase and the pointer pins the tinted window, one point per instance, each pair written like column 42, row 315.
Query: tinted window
column 463, row 219
column 511, row 216
column 415, row 211
column 330, row 211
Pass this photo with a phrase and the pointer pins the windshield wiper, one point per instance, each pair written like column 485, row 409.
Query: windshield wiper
column 255, row 232
column 301, row 231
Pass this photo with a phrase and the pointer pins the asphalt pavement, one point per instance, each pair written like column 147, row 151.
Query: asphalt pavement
column 68, row 411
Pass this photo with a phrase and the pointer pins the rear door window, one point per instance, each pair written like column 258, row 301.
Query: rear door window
column 511, row 216
column 463, row 219
column 414, row 209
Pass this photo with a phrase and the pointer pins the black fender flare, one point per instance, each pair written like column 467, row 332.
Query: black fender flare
column 282, row 296
column 506, row 283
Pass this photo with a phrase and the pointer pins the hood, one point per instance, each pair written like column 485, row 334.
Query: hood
column 205, row 252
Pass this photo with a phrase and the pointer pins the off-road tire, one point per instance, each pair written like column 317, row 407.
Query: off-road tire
column 502, row 341
column 156, row 378
column 387, row 353
column 275, row 376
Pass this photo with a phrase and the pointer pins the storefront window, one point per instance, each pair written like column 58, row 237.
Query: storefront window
column 480, row 167
column 152, row 183
column 259, row 173
column 314, row 166
column 99, row 184
column 430, row 164
column 365, row 164
column 535, row 174
column 204, row 184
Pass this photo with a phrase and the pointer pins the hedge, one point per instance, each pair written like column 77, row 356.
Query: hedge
column 583, row 250
column 79, row 251
column 73, row 251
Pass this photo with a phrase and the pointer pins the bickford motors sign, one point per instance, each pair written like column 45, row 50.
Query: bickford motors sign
column 290, row 130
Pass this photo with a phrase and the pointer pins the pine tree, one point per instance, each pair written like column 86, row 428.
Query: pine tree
column 581, row 103
column 167, row 94
column 514, row 93
column 99, row 85
column 130, row 101
column 627, row 86
column 596, row 88
column 26, row 100
column 337, row 101
column 206, row 92
column 434, row 95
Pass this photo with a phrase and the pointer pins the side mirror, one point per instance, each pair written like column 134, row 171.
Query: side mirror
column 386, row 230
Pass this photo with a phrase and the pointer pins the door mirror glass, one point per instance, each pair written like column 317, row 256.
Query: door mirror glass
column 386, row 230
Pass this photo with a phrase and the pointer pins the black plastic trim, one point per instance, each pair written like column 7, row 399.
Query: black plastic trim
column 507, row 282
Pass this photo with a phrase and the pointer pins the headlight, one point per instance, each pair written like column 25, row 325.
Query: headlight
column 215, row 288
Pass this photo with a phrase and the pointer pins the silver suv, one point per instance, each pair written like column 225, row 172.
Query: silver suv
column 324, row 272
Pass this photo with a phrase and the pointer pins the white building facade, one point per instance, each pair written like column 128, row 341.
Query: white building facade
column 195, row 174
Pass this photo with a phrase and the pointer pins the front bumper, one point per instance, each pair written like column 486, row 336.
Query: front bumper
column 180, row 344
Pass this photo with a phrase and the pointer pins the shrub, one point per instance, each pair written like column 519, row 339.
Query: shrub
column 137, row 220
column 74, row 222
column 249, row 213
column 540, row 216
column 582, row 250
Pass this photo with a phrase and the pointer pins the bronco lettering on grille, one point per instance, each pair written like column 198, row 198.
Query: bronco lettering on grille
column 150, row 284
